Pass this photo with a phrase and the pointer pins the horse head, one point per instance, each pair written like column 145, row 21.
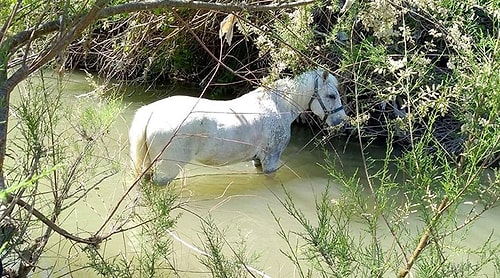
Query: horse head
column 325, row 101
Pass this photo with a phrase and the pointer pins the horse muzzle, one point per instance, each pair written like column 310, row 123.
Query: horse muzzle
column 336, row 118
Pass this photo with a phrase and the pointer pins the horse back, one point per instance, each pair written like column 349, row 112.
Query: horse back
column 212, row 132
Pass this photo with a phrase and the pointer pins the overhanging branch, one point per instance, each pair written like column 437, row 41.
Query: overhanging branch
column 52, row 26
column 40, row 216
column 200, row 5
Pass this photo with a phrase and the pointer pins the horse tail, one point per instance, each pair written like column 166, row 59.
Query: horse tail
column 138, row 144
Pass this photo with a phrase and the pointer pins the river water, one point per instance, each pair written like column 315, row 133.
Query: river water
column 237, row 197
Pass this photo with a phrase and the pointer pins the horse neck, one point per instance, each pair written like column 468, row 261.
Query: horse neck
column 304, row 89
column 294, row 95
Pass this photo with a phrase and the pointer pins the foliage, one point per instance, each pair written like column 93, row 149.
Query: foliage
column 112, row 267
column 153, row 220
column 49, row 169
column 215, row 258
column 328, row 246
column 410, row 70
column 148, row 45
column 141, row 52
column 287, row 40
column 156, row 247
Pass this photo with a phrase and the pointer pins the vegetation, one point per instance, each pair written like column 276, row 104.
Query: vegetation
column 420, row 76
column 51, row 167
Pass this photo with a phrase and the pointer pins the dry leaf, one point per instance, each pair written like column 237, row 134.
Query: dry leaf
column 226, row 27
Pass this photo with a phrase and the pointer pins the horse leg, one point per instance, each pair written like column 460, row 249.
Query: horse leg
column 167, row 170
column 270, row 163
column 168, row 161
column 273, row 151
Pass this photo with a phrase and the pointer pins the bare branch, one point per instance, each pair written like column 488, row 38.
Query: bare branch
column 54, row 226
column 74, row 32
column 7, row 23
column 52, row 26
column 200, row 5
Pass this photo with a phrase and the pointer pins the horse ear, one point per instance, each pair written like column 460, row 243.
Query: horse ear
column 325, row 75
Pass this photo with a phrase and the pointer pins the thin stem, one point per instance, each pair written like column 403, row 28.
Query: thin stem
column 424, row 239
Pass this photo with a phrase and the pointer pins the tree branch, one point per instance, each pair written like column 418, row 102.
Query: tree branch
column 201, row 5
column 22, row 37
column 72, row 33
column 8, row 84
column 6, row 24
column 424, row 239
column 91, row 240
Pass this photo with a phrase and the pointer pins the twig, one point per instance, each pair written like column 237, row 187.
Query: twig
column 95, row 240
column 204, row 253
column 424, row 239
column 372, row 190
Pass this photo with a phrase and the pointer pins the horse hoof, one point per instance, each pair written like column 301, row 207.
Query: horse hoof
column 256, row 163
column 270, row 175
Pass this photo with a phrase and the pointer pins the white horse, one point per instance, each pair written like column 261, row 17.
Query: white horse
column 171, row 132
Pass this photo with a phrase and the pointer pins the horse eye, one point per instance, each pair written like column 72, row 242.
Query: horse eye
column 332, row 97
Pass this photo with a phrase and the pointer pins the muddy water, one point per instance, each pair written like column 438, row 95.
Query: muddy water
column 237, row 197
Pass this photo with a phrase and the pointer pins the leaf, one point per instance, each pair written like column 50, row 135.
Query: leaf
column 226, row 27
column 26, row 183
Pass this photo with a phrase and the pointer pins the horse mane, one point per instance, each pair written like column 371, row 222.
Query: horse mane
column 293, row 91
column 285, row 85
